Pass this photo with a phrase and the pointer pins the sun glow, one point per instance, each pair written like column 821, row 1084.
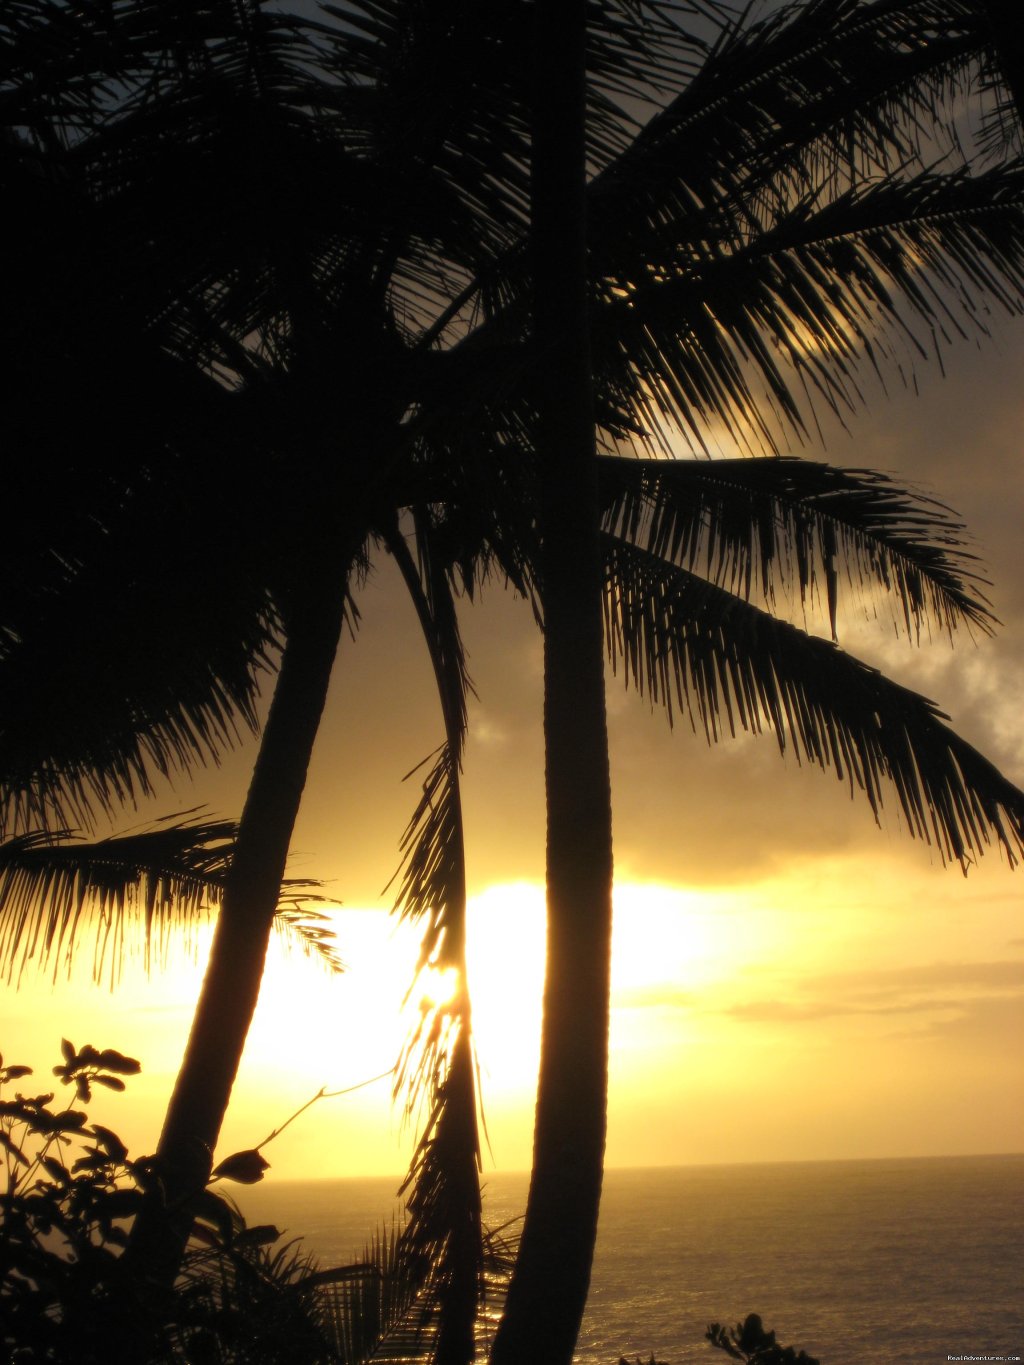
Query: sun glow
column 817, row 996
column 436, row 987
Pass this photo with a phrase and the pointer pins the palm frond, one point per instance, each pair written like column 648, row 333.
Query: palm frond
column 164, row 879
column 373, row 1305
column 385, row 1308
column 1002, row 80
column 824, row 92
column 246, row 1296
column 731, row 666
column 801, row 304
column 436, row 1070
column 430, row 853
column 310, row 929
column 50, row 883
column 776, row 522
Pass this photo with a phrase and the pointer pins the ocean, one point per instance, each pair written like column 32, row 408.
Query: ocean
column 911, row 1261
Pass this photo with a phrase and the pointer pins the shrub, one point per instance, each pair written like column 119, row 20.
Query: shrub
column 749, row 1341
column 67, row 1293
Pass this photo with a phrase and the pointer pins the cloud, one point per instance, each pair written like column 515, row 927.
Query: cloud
column 927, row 990
column 971, row 975
column 981, row 1021
column 488, row 732
column 665, row 997
column 783, row 1011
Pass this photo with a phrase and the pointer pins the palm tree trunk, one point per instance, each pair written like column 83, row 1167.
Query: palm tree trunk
column 231, row 986
column 549, row 1287
column 1007, row 27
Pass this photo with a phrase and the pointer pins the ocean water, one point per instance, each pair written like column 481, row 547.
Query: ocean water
column 906, row 1261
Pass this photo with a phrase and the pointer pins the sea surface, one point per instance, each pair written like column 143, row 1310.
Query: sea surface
column 911, row 1261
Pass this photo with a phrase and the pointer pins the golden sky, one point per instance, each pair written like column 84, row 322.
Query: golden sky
column 790, row 981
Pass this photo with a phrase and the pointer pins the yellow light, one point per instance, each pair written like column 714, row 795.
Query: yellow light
column 437, row 986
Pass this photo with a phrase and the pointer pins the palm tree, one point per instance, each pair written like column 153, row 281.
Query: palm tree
column 691, row 268
column 549, row 1289
column 670, row 627
column 307, row 612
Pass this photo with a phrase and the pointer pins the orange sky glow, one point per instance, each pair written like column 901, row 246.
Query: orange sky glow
column 790, row 982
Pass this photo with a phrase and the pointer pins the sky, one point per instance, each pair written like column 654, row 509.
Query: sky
column 790, row 981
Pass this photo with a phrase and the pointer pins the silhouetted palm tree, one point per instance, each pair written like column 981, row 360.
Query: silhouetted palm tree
column 548, row 1291
column 732, row 210
column 306, row 609
column 735, row 242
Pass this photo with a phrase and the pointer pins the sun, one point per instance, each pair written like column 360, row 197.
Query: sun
column 436, row 987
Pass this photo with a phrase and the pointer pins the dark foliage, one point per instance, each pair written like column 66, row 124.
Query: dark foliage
column 70, row 1192
column 749, row 1341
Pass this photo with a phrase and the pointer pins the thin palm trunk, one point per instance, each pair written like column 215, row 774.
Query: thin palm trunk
column 445, row 1216
column 549, row 1287
column 232, row 983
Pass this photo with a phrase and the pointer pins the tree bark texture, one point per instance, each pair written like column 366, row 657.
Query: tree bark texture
column 549, row 1288
column 231, row 986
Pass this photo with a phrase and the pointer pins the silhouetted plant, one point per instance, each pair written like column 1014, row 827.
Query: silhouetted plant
column 761, row 217
column 70, row 1191
column 68, row 1197
column 749, row 1341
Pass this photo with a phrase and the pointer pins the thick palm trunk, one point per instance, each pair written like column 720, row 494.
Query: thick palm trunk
column 231, row 986
column 1007, row 25
column 549, row 1287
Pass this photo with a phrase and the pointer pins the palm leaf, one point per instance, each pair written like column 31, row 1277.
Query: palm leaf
column 382, row 1308
column 781, row 521
column 829, row 90
column 731, row 666
column 168, row 878
column 436, row 1071
column 801, row 303
column 311, row 929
